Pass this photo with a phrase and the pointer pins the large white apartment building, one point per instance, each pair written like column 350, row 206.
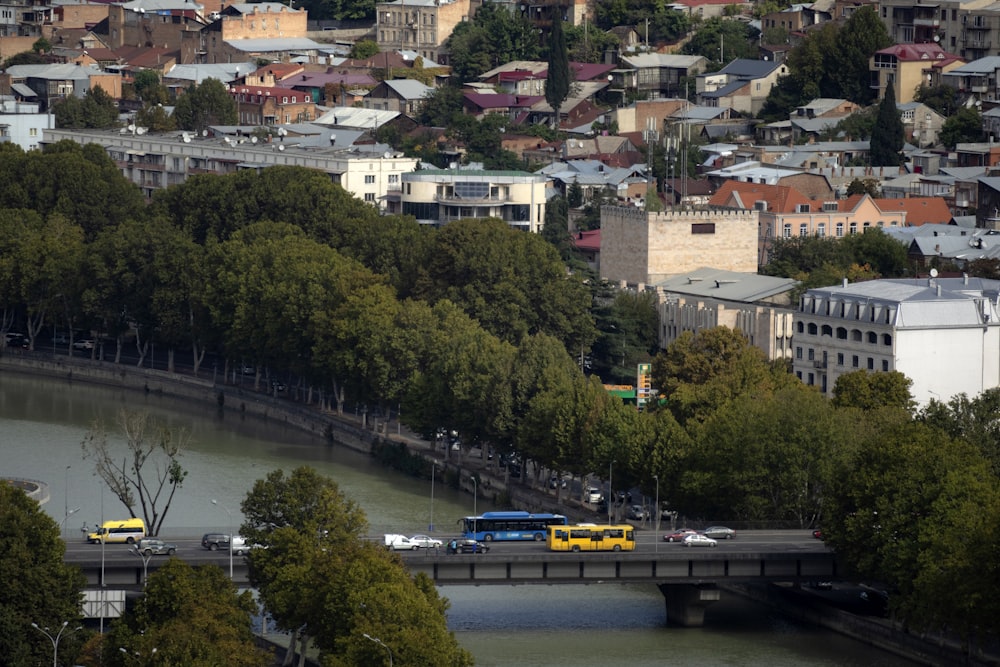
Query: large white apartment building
column 158, row 161
column 942, row 333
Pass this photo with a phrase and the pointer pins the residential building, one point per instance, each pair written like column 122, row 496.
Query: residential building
column 942, row 333
column 742, row 85
column 439, row 196
column 272, row 106
column 49, row 84
column 707, row 9
column 407, row 96
column 978, row 78
column 656, row 75
column 921, row 124
column 23, row 123
column 152, row 22
column 640, row 248
column 784, row 212
column 969, row 28
column 158, row 161
column 758, row 306
column 906, row 66
column 422, row 26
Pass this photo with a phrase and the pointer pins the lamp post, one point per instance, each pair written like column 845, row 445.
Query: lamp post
column 656, row 508
column 55, row 640
column 382, row 644
column 611, row 491
column 216, row 503
column 475, row 497
column 66, row 511
column 145, row 563
column 136, row 655
column 68, row 514
column 430, row 526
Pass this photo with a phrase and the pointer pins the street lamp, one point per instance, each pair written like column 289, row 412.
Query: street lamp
column 475, row 497
column 216, row 503
column 136, row 655
column 382, row 644
column 66, row 511
column 656, row 508
column 55, row 640
column 68, row 514
column 430, row 526
column 611, row 490
column 145, row 562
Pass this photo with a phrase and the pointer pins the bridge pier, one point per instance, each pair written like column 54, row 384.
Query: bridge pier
column 686, row 603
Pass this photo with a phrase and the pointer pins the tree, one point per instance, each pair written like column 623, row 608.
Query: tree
column 38, row 586
column 887, row 137
column 149, row 468
column 868, row 186
column 97, row 110
column 188, row 616
column 862, row 35
column 148, row 87
column 557, row 78
column 964, row 126
column 205, row 104
column 722, row 40
column 871, row 391
column 363, row 49
column 943, row 98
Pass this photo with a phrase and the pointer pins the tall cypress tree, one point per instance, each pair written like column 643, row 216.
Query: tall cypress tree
column 887, row 136
column 557, row 78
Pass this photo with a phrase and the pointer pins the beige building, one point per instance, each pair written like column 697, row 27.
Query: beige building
column 157, row 161
column 908, row 66
column 758, row 306
column 439, row 196
column 640, row 248
column 419, row 25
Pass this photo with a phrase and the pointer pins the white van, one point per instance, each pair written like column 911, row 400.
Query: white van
column 593, row 495
column 128, row 531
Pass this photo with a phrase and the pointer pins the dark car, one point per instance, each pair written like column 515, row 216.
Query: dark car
column 467, row 547
column 215, row 541
column 678, row 535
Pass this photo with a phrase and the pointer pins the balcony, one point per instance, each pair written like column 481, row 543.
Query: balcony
column 473, row 201
column 819, row 363
column 978, row 44
column 927, row 22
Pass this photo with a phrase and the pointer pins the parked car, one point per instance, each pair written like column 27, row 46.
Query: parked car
column 15, row 340
column 425, row 542
column 678, row 535
column 555, row 482
column 467, row 547
column 818, row 533
column 217, row 541
column 593, row 495
column 83, row 344
column 400, row 542
column 637, row 513
column 699, row 540
column 719, row 532
column 151, row 547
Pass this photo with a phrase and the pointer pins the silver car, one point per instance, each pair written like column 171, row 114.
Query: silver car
column 150, row 547
column 699, row 540
column 719, row 532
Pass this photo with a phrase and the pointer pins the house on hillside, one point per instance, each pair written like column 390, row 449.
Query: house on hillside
column 407, row 96
column 908, row 66
column 742, row 85
column 656, row 75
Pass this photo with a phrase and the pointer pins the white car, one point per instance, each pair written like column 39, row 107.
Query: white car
column 699, row 540
column 400, row 543
column 593, row 496
column 425, row 542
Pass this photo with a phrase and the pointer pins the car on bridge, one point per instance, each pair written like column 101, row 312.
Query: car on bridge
column 467, row 547
column 719, row 533
column 151, row 547
column 699, row 540
column 217, row 541
column 678, row 535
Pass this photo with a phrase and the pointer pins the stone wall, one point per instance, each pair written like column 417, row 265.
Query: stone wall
column 639, row 248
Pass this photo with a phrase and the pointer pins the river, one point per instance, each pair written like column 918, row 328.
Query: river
column 43, row 422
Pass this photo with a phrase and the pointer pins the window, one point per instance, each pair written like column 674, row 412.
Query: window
column 821, row 229
column 872, row 338
column 827, row 330
column 887, row 339
column 871, row 364
column 885, row 365
column 811, row 381
column 803, row 229
column 394, row 178
column 787, row 231
column 703, row 228
column 854, row 361
column 798, row 352
column 812, row 354
column 854, row 228
column 370, row 197
column 841, row 333
column 840, row 229
column 812, row 329
column 800, row 327
column 840, row 358
column 802, row 208
column 369, row 179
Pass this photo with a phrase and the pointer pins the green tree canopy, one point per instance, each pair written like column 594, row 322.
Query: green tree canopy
column 38, row 586
column 205, row 104
column 887, row 137
column 493, row 37
column 722, row 40
column 965, row 125
column 859, row 39
column 557, row 77
column 96, row 110
column 871, row 391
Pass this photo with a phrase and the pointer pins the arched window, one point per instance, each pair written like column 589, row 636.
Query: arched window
column 801, row 327
column 872, row 338
column 840, row 229
column 856, row 335
column 827, row 330
column 812, row 328
column 841, row 333
column 887, row 339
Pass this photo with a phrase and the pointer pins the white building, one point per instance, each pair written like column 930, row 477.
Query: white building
column 942, row 333
column 158, row 161
column 438, row 196
column 23, row 124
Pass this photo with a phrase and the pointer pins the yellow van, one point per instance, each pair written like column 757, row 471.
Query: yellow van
column 128, row 531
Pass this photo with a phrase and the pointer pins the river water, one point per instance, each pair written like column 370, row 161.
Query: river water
column 43, row 422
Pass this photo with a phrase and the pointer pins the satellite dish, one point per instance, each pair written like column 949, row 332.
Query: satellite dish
column 185, row 137
column 388, row 154
column 282, row 131
column 937, row 38
column 253, row 140
column 227, row 140
column 281, row 147
column 934, row 273
column 204, row 133
column 453, row 165
column 131, row 128
column 140, row 131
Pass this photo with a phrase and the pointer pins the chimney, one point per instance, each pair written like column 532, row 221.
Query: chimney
column 845, row 282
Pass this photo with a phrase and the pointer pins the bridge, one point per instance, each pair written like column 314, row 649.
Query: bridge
column 688, row 578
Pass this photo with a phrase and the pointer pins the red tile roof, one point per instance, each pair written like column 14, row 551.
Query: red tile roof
column 588, row 240
column 779, row 198
column 911, row 52
column 919, row 210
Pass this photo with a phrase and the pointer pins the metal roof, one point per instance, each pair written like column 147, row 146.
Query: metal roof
column 726, row 285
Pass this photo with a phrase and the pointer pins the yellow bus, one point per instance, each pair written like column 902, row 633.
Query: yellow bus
column 584, row 537
column 129, row 531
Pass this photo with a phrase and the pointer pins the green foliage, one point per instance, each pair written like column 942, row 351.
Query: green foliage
column 873, row 391
column 721, row 41
column 574, row 196
column 363, row 49
column 557, row 77
column 587, row 43
column 974, row 420
column 96, row 110
column 441, row 106
column 187, row 616
column 943, row 98
column 867, row 186
column 666, row 24
column 24, row 58
column 964, row 126
column 862, row 35
column 858, row 126
column 38, row 586
column 887, row 136
column 822, row 261
column 495, row 36
column 41, row 46
column 155, row 118
column 203, row 105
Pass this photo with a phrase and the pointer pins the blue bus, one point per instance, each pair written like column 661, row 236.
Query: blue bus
column 510, row 526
